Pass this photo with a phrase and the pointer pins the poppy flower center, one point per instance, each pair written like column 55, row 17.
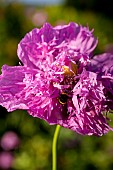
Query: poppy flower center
column 69, row 82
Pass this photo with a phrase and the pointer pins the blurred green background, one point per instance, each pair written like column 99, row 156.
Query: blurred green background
column 32, row 150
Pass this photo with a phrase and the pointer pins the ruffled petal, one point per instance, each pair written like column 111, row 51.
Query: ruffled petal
column 88, row 100
column 103, row 65
column 50, row 41
column 12, row 87
column 35, row 46
column 89, row 125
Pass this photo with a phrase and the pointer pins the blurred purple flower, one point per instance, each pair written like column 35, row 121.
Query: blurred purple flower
column 9, row 141
column 39, row 17
column 53, row 83
column 6, row 159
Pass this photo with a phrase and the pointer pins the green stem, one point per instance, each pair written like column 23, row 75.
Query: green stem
column 54, row 147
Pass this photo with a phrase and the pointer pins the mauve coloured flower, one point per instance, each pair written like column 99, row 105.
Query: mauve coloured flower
column 6, row 160
column 103, row 65
column 9, row 141
column 53, row 83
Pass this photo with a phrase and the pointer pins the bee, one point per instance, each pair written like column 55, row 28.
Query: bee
column 63, row 98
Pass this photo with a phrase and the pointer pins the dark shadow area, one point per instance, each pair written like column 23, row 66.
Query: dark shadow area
column 104, row 7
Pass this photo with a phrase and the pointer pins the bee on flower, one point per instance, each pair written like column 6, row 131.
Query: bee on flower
column 54, row 82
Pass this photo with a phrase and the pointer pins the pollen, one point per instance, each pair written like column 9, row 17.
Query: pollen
column 70, row 71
